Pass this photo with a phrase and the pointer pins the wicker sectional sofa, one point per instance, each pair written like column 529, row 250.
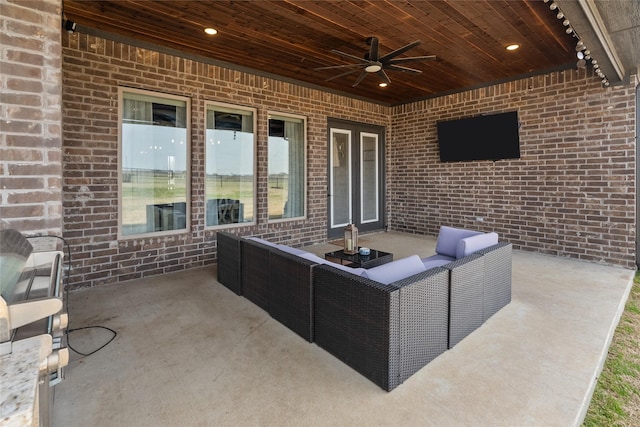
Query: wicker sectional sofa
column 385, row 331
column 279, row 282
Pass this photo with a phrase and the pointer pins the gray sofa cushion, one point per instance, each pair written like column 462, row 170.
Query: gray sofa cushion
column 315, row 258
column 290, row 250
column 472, row 244
column 438, row 257
column 448, row 239
column 436, row 261
column 259, row 240
column 396, row 270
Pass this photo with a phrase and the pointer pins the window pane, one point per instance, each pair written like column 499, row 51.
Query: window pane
column 230, row 164
column 286, row 167
column 369, row 177
column 154, row 164
column 340, row 158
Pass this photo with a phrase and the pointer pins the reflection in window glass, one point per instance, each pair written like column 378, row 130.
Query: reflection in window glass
column 286, row 167
column 230, row 165
column 154, row 163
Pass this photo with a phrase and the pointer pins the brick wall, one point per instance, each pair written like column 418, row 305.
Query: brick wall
column 30, row 119
column 571, row 194
column 573, row 191
column 93, row 68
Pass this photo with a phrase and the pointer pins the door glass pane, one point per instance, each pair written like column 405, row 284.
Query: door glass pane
column 154, row 163
column 286, row 167
column 369, row 177
column 340, row 159
column 230, row 165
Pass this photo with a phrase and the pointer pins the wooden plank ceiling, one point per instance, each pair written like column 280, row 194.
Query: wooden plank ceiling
column 293, row 38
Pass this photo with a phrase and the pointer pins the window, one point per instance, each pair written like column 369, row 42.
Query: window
column 154, row 162
column 287, row 162
column 230, row 165
column 369, row 178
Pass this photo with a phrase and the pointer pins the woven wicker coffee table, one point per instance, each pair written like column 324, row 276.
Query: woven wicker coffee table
column 374, row 259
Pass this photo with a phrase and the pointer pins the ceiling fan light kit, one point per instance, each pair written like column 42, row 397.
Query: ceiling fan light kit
column 373, row 68
column 374, row 63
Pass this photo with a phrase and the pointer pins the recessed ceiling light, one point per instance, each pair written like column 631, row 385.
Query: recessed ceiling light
column 513, row 47
column 211, row 31
column 383, row 84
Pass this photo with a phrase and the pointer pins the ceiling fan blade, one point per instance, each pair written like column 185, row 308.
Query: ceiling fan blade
column 404, row 69
column 373, row 49
column 346, row 73
column 412, row 59
column 340, row 66
column 400, row 51
column 348, row 55
column 383, row 76
column 362, row 76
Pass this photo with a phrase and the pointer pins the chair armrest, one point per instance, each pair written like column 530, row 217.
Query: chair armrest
column 290, row 292
column 355, row 319
column 424, row 320
column 255, row 272
column 229, row 258
column 466, row 283
column 385, row 332
column 497, row 277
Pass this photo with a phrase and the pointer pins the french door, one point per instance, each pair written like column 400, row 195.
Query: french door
column 356, row 176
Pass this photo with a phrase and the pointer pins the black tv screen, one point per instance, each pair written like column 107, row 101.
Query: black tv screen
column 490, row 137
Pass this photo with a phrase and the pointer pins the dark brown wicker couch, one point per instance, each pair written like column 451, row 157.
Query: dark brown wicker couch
column 278, row 282
column 480, row 285
column 385, row 332
column 229, row 273
column 497, row 278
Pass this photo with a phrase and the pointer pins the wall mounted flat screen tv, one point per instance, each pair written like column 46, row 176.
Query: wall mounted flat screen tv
column 488, row 137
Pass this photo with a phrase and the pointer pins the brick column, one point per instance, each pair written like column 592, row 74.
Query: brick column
column 30, row 116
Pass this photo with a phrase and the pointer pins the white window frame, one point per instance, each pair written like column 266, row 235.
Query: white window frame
column 306, row 168
column 254, row 112
column 160, row 95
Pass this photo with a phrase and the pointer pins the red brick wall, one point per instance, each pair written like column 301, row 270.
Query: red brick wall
column 573, row 191
column 93, row 68
column 30, row 119
column 571, row 194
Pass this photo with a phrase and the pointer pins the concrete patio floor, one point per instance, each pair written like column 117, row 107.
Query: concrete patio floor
column 189, row 352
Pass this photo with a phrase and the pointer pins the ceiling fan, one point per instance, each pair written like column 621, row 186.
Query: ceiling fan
column 374, row 63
